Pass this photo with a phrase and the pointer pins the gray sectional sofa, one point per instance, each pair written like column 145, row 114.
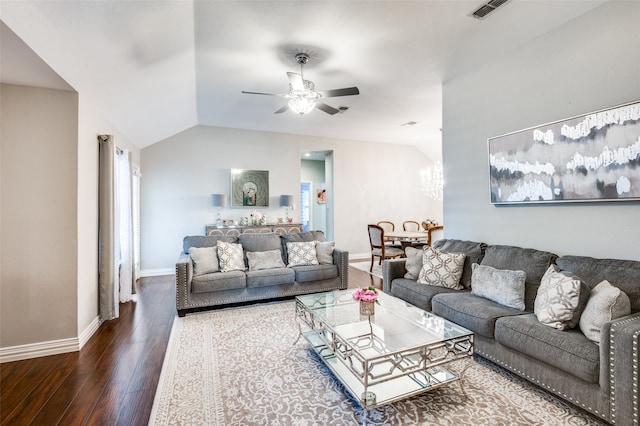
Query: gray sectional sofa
column 601, row 375
column 201, row 283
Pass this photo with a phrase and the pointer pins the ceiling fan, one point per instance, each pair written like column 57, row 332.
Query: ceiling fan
column 303, row 97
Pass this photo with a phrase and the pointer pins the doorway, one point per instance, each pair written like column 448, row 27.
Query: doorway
column 316, row 192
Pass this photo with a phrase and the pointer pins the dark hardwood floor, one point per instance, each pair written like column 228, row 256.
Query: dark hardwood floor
column 113, row 379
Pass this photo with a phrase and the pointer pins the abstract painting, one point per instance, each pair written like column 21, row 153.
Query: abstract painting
column 592, row 157
column 249, row 188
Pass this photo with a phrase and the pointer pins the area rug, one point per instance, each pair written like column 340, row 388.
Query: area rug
column 364, row 266
column 240, row 367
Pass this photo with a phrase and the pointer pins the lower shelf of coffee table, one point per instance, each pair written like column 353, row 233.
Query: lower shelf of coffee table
column 395, row 389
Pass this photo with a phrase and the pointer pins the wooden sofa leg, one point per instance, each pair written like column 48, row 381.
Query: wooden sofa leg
column 182, row 312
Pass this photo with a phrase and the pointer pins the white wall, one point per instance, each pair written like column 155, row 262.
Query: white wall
column 589, row 64
column 38, row 284
column 181, row 172
column 90, row 125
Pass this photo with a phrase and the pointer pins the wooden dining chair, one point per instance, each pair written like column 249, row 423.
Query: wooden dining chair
column 389, row 226
column 411, row 225
column 431, row 231
column 379, row 248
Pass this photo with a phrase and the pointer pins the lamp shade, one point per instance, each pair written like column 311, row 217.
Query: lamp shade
column 286, row 200
column 219, row 200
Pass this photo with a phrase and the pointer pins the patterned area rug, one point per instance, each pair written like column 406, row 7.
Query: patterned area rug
column 364, row 266
column 239, row 367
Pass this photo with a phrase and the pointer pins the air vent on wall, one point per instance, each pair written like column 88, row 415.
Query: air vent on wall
column 487, row 8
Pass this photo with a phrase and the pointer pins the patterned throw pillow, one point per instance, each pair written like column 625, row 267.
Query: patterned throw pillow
column 502, row 286
column 205, row 260
column 230, row 256
column 559, row 298
column 264, row 260
column 324, row 252
column 605, row 304
column 441, row 269
column 302, row 253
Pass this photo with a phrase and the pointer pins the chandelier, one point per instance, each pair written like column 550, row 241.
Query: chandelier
column 432, row 181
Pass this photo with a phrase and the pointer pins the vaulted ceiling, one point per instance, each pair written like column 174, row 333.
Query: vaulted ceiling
column 155, row 68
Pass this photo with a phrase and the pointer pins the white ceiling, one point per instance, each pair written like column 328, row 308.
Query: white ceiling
column 156, row 68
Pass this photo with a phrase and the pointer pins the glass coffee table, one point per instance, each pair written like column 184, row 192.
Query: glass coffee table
column 398, row 352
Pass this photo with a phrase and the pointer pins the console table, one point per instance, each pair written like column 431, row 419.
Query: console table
column 235, row 230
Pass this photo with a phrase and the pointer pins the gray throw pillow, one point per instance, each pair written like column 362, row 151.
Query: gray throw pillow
column 605, row 304
column 324, row 252
column 205, row 260
column 264, row 260
column 230, row 257
column 500, row 285
column 560, row 299
column 441, row 269
column 302, row 253
column 413, row 263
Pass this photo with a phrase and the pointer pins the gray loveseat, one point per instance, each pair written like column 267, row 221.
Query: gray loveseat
column 263, row 277
column 601, row 377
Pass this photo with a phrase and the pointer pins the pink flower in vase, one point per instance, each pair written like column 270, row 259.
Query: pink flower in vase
column 369, row 294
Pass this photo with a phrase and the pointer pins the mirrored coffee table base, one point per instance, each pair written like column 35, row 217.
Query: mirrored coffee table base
column 397, row 353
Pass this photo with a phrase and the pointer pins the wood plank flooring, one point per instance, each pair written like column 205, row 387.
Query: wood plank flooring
column 113, row 379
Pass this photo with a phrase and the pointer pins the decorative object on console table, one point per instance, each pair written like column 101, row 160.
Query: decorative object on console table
column 287, row 202
column 235, row 230
column 219, row 201
column 593, row 157
column 249, row 188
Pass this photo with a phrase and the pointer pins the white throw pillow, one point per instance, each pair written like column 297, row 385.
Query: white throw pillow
column 205, row 260
column 499, row 285
column 605, row 304
column 324, row 252
column 558, row 299
column 413, row 263
column 230, row 256
column 302, row 253
column 441, row 269
column 264, row 260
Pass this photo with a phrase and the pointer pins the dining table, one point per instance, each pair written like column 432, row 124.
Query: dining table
column 407, row 238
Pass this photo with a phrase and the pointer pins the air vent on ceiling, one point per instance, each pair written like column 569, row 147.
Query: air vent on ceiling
column 487, row 8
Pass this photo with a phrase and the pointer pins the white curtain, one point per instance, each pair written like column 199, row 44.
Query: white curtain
column 124, row 224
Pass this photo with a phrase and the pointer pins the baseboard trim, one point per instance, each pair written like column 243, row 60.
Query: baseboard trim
column 35, row 350
column 51, row 347
column 157, row 272
column 359, row 257
column 89, row 331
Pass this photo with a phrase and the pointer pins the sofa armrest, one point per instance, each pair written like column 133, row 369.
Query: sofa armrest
column 619, row 351
column 184, row 274
column 392, row 269
column 341, row 260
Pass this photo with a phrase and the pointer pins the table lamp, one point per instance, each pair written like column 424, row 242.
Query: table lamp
column 286, row 201
column 219, row 201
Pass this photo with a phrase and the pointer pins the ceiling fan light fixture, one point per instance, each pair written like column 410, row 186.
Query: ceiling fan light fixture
column 302, row 105
column 303, row 101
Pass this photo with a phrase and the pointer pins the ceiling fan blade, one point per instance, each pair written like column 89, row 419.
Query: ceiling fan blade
column 281, row 110
column 296, row 81
column 326, row 108
column 260, row 93
column 347, row 91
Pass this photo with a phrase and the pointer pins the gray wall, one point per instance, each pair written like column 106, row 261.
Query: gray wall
column 49, row 215
column 590, row 63
column 181, row 172
column 38, row 215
